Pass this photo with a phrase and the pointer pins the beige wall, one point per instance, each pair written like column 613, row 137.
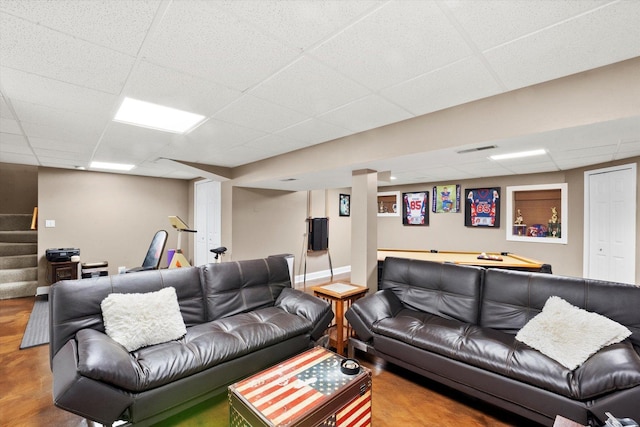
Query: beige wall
column 18, row 188
column 447, row 231
column 268, row 222
column 110, row 217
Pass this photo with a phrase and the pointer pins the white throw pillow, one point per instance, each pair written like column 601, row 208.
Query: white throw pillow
column 139, row 320
column 569, row 334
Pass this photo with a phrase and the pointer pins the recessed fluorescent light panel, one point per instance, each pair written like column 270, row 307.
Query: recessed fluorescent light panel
column 111, row 166
column 518, row 155
column 154, row 116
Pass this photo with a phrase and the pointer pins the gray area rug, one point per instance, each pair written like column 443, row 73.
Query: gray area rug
column 37, row 331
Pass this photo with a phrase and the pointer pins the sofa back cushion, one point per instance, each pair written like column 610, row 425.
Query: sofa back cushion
column 447, row 290
column 512, row 298
column 237, row 287
column 75, row 304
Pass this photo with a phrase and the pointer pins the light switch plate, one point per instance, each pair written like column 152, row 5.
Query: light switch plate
column 49, row 223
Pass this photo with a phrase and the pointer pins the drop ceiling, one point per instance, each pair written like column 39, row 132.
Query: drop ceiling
column 278, row 76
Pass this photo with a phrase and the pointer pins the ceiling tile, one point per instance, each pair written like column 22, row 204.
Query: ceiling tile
column 490, row 23
column 210, row 140
column 579, row 162
column 77, row 133
column 273, row 143
column 301, row 23
column 140, row 143
column 61, row 57
column 62, row 162
column 588, row 41
column 62, row 146
column 458, row 83
column 235, row 156
column 9, row 126
column 398, row 41
column 205, row 41
column 55, row 117
column 219, row 134
column 366, row 113
column 20, row 159
column 53, row 93
column 309, row 87
column 631, row 148
column 312, row 132
column 64, row 157
column 166, row 86
column 585, row 151
column 16, row 144
column 121, row 25
column 4, row 108
column 255, row 113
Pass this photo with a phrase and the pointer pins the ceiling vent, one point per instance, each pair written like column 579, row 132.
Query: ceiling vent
column 473, row 150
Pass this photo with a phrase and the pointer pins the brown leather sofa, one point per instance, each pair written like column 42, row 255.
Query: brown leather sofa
column 457, row 325
column 241, row 317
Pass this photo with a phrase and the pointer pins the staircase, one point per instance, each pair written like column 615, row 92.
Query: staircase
column 18, row 256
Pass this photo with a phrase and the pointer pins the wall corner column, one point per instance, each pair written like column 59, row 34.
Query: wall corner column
column 364, row 229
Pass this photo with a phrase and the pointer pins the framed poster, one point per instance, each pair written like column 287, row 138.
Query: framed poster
column 482, row 207
column 446, row 198
column 414, row 208
column 345, row 205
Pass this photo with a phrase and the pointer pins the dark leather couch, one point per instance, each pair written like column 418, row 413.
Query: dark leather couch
column 241, row 317
column 457, row 325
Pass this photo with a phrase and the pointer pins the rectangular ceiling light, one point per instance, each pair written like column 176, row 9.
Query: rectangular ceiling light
column 111, row 166
column 154, row 116
column 518, row 155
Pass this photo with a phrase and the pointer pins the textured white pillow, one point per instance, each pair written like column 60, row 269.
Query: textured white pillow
column 569, row 334
column 139, row 320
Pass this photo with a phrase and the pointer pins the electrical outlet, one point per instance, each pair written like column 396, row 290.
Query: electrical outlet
column 49, row 223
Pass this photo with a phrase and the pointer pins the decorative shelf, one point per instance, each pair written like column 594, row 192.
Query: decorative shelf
column 537, row 213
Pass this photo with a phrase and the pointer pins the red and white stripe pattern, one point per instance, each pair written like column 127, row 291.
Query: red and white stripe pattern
column 356, row 414
column 289, row 391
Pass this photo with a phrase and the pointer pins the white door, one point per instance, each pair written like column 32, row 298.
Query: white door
column 610, row 207
column 207, row 220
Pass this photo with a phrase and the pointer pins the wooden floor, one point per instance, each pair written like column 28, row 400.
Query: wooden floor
column 400, row 398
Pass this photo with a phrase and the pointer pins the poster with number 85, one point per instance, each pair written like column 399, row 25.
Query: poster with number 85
column 414, row 208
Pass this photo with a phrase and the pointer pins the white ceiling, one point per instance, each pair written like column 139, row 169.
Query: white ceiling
column 277, row 76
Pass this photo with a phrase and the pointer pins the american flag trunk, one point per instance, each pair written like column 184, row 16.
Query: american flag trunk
column 306, row 390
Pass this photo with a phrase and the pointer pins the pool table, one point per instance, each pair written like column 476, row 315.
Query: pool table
column 491, row 260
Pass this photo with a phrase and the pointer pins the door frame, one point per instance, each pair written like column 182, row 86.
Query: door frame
column 587, row 202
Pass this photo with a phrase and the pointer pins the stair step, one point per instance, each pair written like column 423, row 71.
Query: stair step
column 26, row 236
column 18, row 274
column 9, row 222
column 18, row 261
column 10, row 249
column 20, row 289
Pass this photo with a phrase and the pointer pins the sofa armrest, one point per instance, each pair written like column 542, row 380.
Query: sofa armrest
column 103, row 359
column 312, row 308
column 83, row 396
column 366, row 312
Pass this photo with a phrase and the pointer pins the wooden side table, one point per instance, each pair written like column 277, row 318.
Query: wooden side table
column 338, row 294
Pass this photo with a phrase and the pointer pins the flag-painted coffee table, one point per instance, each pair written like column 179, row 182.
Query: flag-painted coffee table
column 309, row 389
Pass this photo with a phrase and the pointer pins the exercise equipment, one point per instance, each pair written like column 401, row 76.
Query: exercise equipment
column 179, row 260
column 154, row 253
column 219, row 252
